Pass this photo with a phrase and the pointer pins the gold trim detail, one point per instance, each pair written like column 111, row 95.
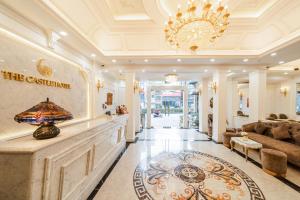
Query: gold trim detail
column 43, row 69
column 31, row 79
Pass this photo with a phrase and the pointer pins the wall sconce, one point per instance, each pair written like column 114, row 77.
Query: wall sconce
column 136, row 86
column 213, row 86
column 284, row 91
column 100, row 84
column 241, row 94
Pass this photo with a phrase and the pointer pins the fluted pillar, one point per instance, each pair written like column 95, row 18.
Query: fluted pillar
column 257, row 95
column 130, row 104
column 203, row 105
column 219, row 105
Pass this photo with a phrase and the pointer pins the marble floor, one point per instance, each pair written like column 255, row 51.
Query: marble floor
column 171, row 120
column 181, row 164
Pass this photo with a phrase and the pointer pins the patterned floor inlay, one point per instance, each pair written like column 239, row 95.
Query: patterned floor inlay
column 192, row 175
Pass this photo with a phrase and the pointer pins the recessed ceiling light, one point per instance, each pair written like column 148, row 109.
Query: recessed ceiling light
column 93, row 55
column 206, row 70
column 114, row 60
column 244, row 70
column 286, row 73
column 146, row 60
column 281, row 62
column 63, row 33
column 246, row 60
column 120, row 70
column 178, row 60
column 273, row 54
column 174, row 70
column 212, row 60
column 106, row 71
column 229, row 71
column 143, row 70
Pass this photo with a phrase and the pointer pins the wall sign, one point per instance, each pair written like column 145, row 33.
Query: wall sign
column 31, row 79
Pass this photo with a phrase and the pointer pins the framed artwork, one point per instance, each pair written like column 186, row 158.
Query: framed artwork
column 109, row 99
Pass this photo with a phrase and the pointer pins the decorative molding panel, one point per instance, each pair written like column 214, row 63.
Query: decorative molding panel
column 67, row 167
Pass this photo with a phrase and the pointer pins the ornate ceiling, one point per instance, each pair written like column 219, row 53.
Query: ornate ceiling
column 134, row 27
column 132, row 30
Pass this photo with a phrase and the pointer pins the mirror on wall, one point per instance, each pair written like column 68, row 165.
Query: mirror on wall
column 298, row 98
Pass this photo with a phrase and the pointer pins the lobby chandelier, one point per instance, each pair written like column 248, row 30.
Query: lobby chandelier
column 201, row 21
column 171, row 78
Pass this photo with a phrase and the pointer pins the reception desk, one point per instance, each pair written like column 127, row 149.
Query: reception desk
column 67, row 167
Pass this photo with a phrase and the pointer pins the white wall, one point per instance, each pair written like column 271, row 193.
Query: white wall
column 276, row 101
column 18, row 50
column 245, row 91
column 284, row 104
column 18, row 96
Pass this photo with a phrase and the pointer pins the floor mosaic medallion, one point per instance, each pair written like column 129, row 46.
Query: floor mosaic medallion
column 192, row 175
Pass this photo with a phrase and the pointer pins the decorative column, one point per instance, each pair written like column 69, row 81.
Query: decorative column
column 185, row 107
column 148, row 94
column 203, row 105
column 219, row 104
column 257, row 95
column 130, row 104
column 137, row 112
column 235, row 98
column 93, row 90
column 232, row 101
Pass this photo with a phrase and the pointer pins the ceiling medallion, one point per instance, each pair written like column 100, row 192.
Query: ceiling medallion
column 198, row 23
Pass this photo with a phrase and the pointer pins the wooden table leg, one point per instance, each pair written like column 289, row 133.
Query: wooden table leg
column 246, row 153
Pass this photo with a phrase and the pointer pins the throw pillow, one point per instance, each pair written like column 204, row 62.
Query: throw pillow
column 297, row 139
column 268, row 132
column 249, row 127
column 295, row 129
column 281, row 132
column 260, row 128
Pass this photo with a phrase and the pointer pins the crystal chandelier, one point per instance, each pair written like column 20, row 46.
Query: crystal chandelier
column 171, row 78
column 199, row 23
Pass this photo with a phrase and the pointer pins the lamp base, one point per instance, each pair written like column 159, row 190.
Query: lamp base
column 46, row 132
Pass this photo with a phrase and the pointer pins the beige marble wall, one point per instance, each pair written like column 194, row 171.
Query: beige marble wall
column 17, row 96
column 110, row 86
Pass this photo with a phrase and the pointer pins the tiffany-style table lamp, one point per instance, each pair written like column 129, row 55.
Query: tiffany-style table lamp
column 45, row 115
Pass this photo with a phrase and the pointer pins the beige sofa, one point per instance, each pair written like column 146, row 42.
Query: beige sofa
column 290, row 147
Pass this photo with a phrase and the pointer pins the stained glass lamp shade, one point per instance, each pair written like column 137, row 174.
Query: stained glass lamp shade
column 45, row 114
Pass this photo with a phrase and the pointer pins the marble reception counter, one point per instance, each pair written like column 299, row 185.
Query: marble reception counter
column 66, row 167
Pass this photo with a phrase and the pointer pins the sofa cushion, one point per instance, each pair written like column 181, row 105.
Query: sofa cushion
column 281, row 132
column 297, row 139
column 274, row 116
column 294, row 129
column 283, row 116
column 292, row 150
column 260, row 128
column 249, row 127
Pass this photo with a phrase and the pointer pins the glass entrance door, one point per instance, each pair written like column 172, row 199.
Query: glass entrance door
column 167, row 109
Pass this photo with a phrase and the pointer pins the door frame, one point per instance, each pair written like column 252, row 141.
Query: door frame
column 149, row 90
